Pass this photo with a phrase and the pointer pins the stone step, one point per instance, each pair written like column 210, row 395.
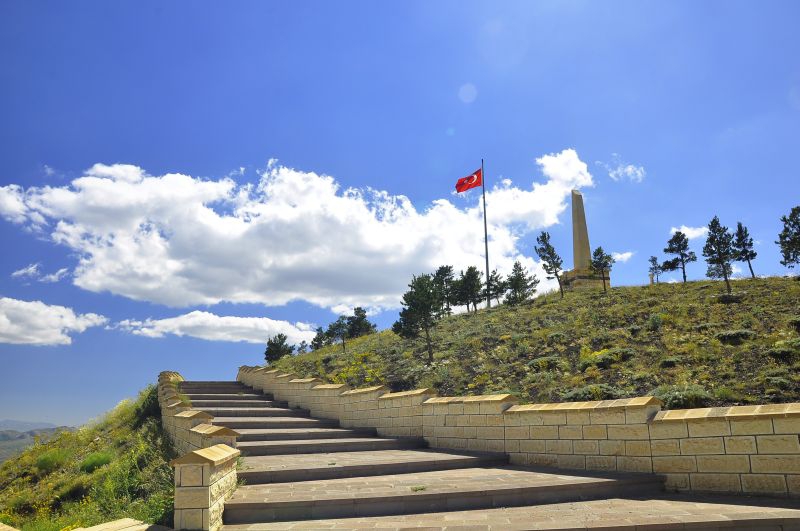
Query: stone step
column 230, row 396
column 210, row 389
column 319, row 446
column 279, row 423
column 674, row 512
column 201, row 404
column 255, row 434
column 253, row 411
column 309, row 467
column 466, row 488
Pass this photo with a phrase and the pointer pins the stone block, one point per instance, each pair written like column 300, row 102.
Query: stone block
column 601, row 462
column 490, row 433
column 189, row 476
column 665, row 447
column 723, row 463
column 745, row 444
column 676, row 481
column 544, row 432
column 586, row 447
column 517, row 432
column 634, row 464
column 775, row 464
column 637, row 448
column 793, row 483
column 629, row 432
column 532, row 446
column 778, row 444
column 640, row 415
column 558, row 447
column 570, row 432
column 571, row 461
column 674, row 464
column 542, row 459
column 607, row 416
column 709, row 428
column 702, row 446
column 668, row 430
column 786, row 425
column 716, row 482
column 751, row 426
column 764, row 483
column 595, row 431
column 578, row 417
column 554, row 418
column 192, row 498
column 191, row 519
column 611, row 447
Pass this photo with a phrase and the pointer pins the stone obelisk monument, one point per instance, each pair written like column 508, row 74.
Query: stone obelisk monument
column 581, row 275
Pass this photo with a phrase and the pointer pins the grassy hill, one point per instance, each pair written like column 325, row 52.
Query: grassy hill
column 686, row 344
column 114, row 468
column 12, row 441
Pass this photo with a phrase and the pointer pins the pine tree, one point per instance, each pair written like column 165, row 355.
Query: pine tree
column 419, row 312
column 521, row 286
column 679, row 246
column 443, row 281
column 655, row 268
column 719, row 252
column 601, row 263
column 551, row 262
column 277, row 347
column 358, row 325
column 302, row 348
column 743, row 247
column 338, row 330
column 495, row 287
column 320, row 340
column 789, row 238
column 471, row 285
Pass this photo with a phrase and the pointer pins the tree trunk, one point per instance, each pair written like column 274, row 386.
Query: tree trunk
column 725, row 276
column 683, row 270
column 430, row 346
column 751, row 268
column 560, row 287
column 603, row 273
column 344, row 349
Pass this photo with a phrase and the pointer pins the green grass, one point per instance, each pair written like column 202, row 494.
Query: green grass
column 114, row 468
column 684, row 343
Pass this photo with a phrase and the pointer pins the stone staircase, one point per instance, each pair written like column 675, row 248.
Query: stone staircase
column 306, row 473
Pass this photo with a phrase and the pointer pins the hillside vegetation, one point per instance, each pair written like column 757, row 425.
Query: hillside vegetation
column 114, row 468
column 688, row 344
column 13, row 441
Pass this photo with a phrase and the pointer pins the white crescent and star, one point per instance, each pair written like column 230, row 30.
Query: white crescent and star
column 471, row 179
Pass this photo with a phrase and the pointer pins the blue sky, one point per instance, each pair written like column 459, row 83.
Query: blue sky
column 181, row 179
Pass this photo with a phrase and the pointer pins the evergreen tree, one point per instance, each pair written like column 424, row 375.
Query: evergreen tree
column 521, row 286
column 551, row 262
column 338, row 330
column 457, row 294
column 320, row 340
column 495, row 287
column 277, row 347
column 443, row 281
column 743, row 247
column 655, row 268
column 358, row 325
column 678, row 245
column 471, row 285
column 302, row 348
column 601, row 263
column 789, row 238
column 719, row 252
column 419, row 312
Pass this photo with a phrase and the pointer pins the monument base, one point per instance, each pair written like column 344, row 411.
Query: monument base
column 584, row 279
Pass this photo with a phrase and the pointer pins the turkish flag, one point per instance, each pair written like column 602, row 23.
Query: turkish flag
column 465, row 183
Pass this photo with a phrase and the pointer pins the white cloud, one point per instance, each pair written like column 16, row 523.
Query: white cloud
column 620, row 170
column 178, row 240
column 690, row 232
column 622, row 257
column 12, row 203
column 29, row 271
column 736, row 270
column 33, row 272
column 205, row 325
column 37, row 323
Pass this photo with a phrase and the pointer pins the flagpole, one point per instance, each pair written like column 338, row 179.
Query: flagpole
column 485, row 238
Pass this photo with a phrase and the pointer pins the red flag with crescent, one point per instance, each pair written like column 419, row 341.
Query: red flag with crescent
column 472, row 181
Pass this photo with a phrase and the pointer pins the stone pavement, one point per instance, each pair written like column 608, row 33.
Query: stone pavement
column 305, row 473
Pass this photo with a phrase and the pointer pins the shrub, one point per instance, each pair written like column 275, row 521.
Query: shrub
column 95, row 460
column 785, row 351
column 51, row 460
column 547, row 363
column 634, row 330
column 794, row 322
column 669, row 361
column 702, row 327
column 777, row 382
column 555, row 338
column 147, row 406
column 734, row 337
column 603, row 359
column 729, row 298
column 682, row 396
column 655, row 322
column 593, row 392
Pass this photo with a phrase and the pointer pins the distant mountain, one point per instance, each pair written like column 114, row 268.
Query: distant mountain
column 12, row 441
column 21, row 425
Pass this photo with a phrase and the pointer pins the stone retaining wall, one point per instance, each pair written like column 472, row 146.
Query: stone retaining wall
column 748, row 449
